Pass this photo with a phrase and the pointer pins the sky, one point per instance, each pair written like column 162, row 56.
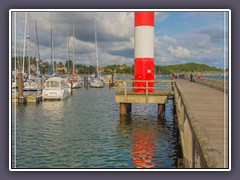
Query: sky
column 180, row 37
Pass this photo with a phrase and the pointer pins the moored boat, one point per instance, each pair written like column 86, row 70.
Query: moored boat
column 55, row 89
column 97, row 83
column 74, row 81
column 35, row 84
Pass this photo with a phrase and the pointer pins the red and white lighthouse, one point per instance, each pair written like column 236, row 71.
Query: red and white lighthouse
column 144, row 50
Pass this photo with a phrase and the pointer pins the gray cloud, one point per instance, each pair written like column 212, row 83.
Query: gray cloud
column 214, row 33
column 129, row 53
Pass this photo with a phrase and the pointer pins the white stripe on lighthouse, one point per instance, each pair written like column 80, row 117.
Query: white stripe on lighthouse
column 144, row 42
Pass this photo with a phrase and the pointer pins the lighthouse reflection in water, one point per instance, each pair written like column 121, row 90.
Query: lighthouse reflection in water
column 153, row 141
column 143, row 148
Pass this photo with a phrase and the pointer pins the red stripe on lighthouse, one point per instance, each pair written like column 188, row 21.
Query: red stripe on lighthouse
column 144, row 18
column 144, row 51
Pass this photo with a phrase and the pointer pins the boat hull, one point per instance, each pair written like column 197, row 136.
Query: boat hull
column 55, row 89
column 55, row 94
column 98, row 84
column 75, row 85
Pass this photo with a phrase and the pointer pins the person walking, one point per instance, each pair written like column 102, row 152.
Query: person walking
column 191, row 77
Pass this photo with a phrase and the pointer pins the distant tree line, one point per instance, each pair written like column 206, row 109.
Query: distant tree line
column 45, row 67
column 188, row 67
column 119, row 69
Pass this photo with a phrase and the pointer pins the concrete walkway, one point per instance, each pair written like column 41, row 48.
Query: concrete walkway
column 210, row 107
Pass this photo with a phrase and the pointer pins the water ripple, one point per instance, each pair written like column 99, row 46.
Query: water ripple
column 85, row 131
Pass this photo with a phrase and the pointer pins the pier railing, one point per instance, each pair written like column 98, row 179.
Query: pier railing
column 152, row 90
column 198, row 152
column 220, row 85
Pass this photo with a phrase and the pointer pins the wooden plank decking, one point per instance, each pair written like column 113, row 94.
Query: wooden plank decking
column 210, row 108
column 159, row 97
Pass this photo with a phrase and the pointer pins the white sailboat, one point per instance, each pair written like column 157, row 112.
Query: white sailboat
column 96, row 81
column 73, row 81
column 32, row 83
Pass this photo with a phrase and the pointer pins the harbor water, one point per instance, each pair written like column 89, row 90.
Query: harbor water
column 85, row 131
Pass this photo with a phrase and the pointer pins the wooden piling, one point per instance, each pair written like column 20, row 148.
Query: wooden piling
column 129, row 108
column 110, row 84
column 21, row 98
column 112, row 79
column 161, row 111
column 125, row 108
column 85, row 81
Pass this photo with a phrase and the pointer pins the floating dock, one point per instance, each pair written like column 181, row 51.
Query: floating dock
column 28, row 97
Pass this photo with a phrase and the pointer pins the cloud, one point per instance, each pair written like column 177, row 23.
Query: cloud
column 170, row 39
column 160, row 16
column 214, row 33
column 179, row 52
column 114, row 59
column 202, row 44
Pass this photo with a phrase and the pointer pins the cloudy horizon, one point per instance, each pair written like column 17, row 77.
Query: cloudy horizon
column 180, row 37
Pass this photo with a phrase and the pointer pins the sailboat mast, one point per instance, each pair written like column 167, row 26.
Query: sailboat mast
column 53, row 54
column 73, row 44
column 15, row 45
column 68, row 48
column 37, row 46
column 96, row 47
column 24, row 38
column 28, row 37
column 52, row 66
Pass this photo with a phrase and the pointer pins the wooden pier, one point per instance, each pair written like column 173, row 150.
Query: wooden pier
column 126, row 96
column 202, row 118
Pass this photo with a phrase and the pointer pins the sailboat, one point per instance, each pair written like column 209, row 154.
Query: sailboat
column 31, row 83
column 55, row 88
column 73, row 81
column 96, row 81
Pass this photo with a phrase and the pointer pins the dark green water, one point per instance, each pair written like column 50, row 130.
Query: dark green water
column 85, row 131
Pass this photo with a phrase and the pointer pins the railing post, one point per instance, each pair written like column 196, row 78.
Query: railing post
column 169, row 86
column 71, row 87
column 147, row 91
column 125, row 92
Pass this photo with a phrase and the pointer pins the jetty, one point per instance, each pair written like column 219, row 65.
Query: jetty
column 125, row 94
column 201, row 116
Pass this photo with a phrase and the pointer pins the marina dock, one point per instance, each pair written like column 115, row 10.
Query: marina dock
column 29, row 97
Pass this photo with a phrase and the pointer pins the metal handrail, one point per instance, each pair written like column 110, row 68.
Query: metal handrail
column 123, row 86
